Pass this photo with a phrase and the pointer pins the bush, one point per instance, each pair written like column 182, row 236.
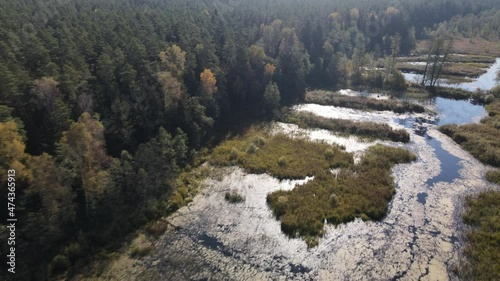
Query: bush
column 450, row 93
column 60, row 263
column 140, row 247
column 233, row 197
column 141, row 250
column 259, row 141
column 73, row 251
column 329, row 153
column 334, row 200
column 282, row 161
column 157, row 228
column 252, row 149
column 234, row 153
column 493, row 176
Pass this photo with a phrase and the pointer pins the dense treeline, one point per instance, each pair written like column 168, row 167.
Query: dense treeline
column 102, row 103
column 485, row 25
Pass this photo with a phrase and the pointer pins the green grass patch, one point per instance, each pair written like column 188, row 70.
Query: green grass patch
column 186, row 186
column 278, row 155
column 370, row 130
column 361, row 103
column 457, row 69
column 483, row 240
column 362, row 190
column 481, row 140
column 493, row 176
column 482, row 212
column 450, row 93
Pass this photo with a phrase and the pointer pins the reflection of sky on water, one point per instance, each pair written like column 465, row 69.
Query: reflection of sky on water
column 458, row 111
column 484, row 82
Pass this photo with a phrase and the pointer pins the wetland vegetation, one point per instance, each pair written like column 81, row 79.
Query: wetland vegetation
column 361, row 191
column 361, row 103
column 340, row 191
column 279, row 155
column 367, row 130
column 482, row 211
column 108, row 109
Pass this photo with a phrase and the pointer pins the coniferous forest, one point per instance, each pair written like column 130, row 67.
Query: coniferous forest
column 103, row 104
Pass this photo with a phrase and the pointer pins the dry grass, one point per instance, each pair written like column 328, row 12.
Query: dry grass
column 481, row 140
column 483, row 240
column 278, row 155
column 140, row 246
column 452, row 70
column 467, row 46
column 369, row 130
column 361, row 103
column 361, row 191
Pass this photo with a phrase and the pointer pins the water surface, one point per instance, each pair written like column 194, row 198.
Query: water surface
column 458, row 111
column 484, row 82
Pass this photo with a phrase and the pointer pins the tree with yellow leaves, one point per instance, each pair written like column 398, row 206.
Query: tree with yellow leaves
column 83, row 148
column 208, row 82
column 12, row 155
column 173, row 60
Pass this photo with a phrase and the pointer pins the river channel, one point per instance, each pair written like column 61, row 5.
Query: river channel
column 486, row 81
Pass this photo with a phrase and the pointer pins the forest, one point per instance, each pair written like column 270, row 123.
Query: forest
column 103, row 104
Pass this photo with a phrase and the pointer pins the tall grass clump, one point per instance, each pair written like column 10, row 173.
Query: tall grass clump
column 493, row 176
column 279, row 155
column 483, row 239
column 369, row 130
column 361, row 103
column 233, row 197
column 360, row 191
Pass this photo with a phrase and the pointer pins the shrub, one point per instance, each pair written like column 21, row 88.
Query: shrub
column 233, row 197
column 493, row 176
column 489, row 99
column 234, row 153
column 282, row 161
column 259, row 141
column 334, row 200
column 139, row 251
column 73, row 251
column 140, row 246
column 60, row 263
column 329, row 153
column 252, row 149
column 157, row 228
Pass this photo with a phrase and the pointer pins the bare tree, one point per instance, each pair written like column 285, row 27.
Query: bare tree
column 439, row 51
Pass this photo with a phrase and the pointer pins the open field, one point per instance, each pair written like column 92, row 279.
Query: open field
column 466, row 46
